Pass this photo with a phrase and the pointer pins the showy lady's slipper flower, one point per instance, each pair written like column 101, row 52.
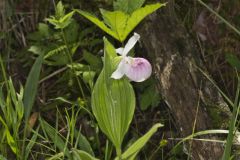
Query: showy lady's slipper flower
column 136, row 69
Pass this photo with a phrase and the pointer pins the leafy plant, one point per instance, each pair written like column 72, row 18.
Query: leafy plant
column 12, row 109
column 112, row 101
column 119, row 23
column 113, row 104
column 74, row 145
column 12, row 118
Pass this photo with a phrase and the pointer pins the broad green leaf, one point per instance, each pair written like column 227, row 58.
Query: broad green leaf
column 132, row 151
column 117, row 21
column 97, row 22
column 119, row 24
column 55, row 137
column 113, row 101
column 132, row 157
column 138, row 15
column 127, row 6
column 31, row 86
column 81, row 155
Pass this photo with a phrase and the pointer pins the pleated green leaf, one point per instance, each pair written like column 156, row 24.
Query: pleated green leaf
column 119, row 24
column 113, row 101
column 97, row 22
column 138, row 15
column 122, row 23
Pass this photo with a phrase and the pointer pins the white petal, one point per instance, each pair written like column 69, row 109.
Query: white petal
column 119, row 72
column 140, row 70
column 130, row 44
column 120, row 50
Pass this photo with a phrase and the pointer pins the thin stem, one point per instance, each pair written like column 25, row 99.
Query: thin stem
column 119, row 153
column 71, row 61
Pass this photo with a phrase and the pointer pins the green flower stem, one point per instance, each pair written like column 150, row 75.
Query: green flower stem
column 71, row 61
column 119, row 153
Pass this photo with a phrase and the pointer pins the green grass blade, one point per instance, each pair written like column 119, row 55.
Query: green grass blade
column 132, row 151
column 57, row 156
column 83, row 143
column 31, row 144
column 81, row 155
column 232, row 124
column 220, row 17
column 31, row 86
column 55, row 137
column 214, row 131
column 215, row 85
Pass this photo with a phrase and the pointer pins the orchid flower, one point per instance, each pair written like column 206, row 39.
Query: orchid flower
column 136, row 69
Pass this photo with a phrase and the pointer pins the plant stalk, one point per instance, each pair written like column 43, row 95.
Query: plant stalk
column 71, row 61
column 119, row 153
